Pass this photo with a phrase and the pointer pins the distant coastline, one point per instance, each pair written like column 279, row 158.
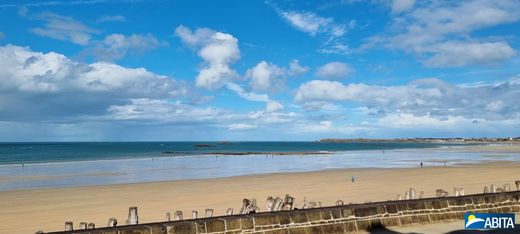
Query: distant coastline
column 256, row 153
column 482, row 140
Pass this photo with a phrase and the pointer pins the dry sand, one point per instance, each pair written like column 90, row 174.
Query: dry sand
column 26, row 211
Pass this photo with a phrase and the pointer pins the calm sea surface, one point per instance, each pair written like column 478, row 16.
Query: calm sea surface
column 82, row 151
column 51, row 165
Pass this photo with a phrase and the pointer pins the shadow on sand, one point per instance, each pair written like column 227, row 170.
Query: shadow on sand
column 384, row 230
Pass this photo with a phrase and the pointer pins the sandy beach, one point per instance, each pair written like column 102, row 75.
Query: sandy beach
column 26, row 211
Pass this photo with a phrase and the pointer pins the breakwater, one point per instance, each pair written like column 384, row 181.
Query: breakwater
column 334, row 219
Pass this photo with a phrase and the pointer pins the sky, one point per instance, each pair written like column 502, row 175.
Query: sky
column 130, row 70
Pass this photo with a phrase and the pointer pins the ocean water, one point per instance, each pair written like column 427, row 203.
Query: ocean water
column 17, row 153
column 51, row 165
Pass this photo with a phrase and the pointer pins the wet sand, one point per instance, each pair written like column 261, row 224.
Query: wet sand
column 26, row 211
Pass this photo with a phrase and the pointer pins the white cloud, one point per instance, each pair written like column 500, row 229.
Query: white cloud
column 79, row 94
column 323, row 107
column 270, row 106
column 214, row 77
column 223, row 49
column 64, row 28
column 430, row 97
column 273, row 106
column 160, row 110
column 402, row 5
column 217, row 49
column 456, row 54
column 311, row 23
column 314, row 25
column 111, row 18
column 329, row 127
column 322, row 126
column 324, row 90
column 266, row 77
column 334, row 47
column 334, row 70
column 410, row 120
column 117, row 46
column 439, row 33
column 295, row 69
column 264, row 118
column 413, row 125
column 241, row 126
column 195, row 39
column 495, row 106
column 247, row 95
column 435, row 22
column 73, row 97
column 64, row 88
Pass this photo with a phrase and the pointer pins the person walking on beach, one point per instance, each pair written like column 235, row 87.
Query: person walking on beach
column 421, row 165
column 353, row 179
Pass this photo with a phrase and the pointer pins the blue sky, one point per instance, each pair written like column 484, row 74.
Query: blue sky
column 258, row 70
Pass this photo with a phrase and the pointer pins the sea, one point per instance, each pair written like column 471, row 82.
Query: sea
column 31, row 165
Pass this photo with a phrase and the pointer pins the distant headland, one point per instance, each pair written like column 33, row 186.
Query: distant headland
column 425, row 140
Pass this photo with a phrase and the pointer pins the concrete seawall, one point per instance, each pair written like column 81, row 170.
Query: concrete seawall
column 335, row 219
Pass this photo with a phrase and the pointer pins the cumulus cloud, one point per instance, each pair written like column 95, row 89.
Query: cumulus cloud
column 295, row 69
column 41, row 86
column 334, row 70
column 273, row 106
column 423, row 108
column 64, row 28
column 217, row 49
column 51, row 91
column 266, row 77
column 440, row 32
column 432, row 97
column 117, row 46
